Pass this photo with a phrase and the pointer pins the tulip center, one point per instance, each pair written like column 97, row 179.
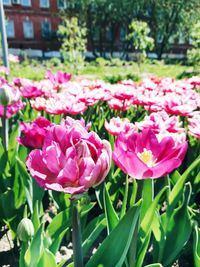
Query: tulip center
column 147, row 157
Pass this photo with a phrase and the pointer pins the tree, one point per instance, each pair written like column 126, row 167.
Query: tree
column 169, row 18
column 73, row 39
column 139, row 37
column 194, row 53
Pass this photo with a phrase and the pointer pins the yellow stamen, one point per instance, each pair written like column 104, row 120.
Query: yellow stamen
column 147, row 157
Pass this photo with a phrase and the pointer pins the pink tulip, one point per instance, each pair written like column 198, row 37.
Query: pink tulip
column 12, row 58
column 141, row 155
column 71, row 159
column 194, row 125
column 34, row 133
column 58, row 78
column 117, row 125
column 31, row 91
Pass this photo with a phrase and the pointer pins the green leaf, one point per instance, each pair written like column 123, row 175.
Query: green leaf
column 177, row 190
column 58, row 227
column 34, row 251
column 111, row 215
column 33, row 191
column 179, row 222
column 8, row 212
column 196, row 246
column 93, row 236
column 145, row 228
column 47, row 259
column 113, row 251
column 35, row 217
column 175, row 176
column 93, row 223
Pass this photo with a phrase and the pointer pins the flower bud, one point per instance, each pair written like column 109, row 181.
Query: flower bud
column 25, row 230
column 6, row 95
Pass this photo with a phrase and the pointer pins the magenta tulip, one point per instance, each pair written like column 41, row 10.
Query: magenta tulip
column 34, row 133
column 141, row 155
column 71, row 159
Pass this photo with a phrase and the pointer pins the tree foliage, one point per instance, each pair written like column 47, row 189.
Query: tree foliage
column 73, row 37
column 166, row 19
column 194, row 53
column 139, row 37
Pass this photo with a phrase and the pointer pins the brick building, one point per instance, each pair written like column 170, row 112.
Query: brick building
column 33, row 23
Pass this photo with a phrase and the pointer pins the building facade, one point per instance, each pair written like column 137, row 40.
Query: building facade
column 33, row 23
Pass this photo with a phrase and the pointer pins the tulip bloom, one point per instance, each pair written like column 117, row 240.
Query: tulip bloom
column 141, row 155
column 58, row 78
column 117, row 125
column 34, row 133
column 71, row 159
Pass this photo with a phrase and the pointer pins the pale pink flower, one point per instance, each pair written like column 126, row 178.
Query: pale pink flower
column 4, row 70
column 13, row 59
column 118, row 125
column 194, row 124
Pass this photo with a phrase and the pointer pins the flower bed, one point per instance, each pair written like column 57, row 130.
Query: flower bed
column 112, row 168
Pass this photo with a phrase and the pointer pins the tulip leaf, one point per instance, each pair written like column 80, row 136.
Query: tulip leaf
column 179, row 222
column 177, row 190
column 33, row 191
column 47, row 259
column 196, row 246
column 34, row 251
column 113, row 251
column 58, row 227
column 91, row 225
column 175, row 176
column 93, row 236
column 145, row 228
column 111, row 215
column 7, row 212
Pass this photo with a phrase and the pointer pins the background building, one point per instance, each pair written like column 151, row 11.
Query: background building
column 33, row 23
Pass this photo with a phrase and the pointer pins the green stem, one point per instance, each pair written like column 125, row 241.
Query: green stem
column 133, row 245
column 5, row 131
column 76, row 237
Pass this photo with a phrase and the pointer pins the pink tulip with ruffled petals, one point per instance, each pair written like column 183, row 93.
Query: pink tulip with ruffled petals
column 194, row 124
column 142, row 156
column 71, row 159
column 117, row 125
column 34, row 133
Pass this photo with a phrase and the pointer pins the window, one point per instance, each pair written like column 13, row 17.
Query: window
column 7, row 2
column 10, row 28
column 28, row 29
column 46, row 29
column 44, row 3
column 26, row 2
column 61, row 3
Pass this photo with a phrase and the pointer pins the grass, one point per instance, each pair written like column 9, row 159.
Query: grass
column 37, row 70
